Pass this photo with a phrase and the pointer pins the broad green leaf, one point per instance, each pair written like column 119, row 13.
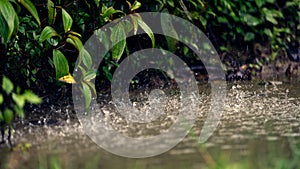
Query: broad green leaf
column 118, row 39
column 75, row 41
column 16, row 5
column 70, row 41
column 222, row 19
column 185, row 50
column 203, row 21
column 135, row 5
column 19, row 100
column 31, row 97
column 135, row 24
column 251, row 20
column 86, row 58
column 110, row 11
column 47, row 33
column 31, row 8
column 51, row 12
column 146, row 28
column 16, row 23
column 102, row 37
column 8, row 115
column 249, row 36
column 67, row 20
column 60, row 63
column 9, row 15
column 128, row 26
column 259, row 3
column 92, row 86
column 270, row 18
column 171, row 3
column 87, row 95
column 106, row 70
column 83, row 71
column 19, row 111
column 268, row 32
column 4, row 31
column 169, row 29
column 1, row 99
column 89, row 75
column 7, row 85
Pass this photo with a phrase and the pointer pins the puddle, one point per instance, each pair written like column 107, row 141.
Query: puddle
column 260, row 125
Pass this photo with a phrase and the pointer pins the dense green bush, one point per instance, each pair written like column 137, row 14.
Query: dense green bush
column 234, row 25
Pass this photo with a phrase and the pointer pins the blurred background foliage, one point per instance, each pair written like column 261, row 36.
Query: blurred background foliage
column 41, row 40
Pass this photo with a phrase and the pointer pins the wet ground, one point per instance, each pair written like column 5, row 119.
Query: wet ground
column 259, row 128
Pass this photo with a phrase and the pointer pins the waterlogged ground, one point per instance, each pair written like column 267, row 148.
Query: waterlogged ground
column 259, row 128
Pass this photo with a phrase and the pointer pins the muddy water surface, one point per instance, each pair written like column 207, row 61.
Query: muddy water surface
column 260, row 128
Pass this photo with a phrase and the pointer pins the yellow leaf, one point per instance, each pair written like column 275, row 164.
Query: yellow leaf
column 67, row 79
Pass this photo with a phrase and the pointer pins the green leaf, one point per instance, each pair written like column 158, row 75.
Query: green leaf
column 47, row 33
column 102, row 37
column 86, row 58
column 128, row 26
column 146, row 28
column 8, row 115
column 135, row 24
column 31, row 8
column 51, row 12
column 1, row 99
column 222, row 19
column 7, row 85
column 4, row 31
column 270, row 18
column 19, row 111
column 83, row 71
column 268, row 32
column 16, row 5
column 203, row 21
column 171, row 3
column 87, row 95
column 31, row 97
column 92, row 86
column 67, row 20
column 9, row 16
column 89, row 75
column 249, row 36
column 135, row 5
column 259, row 3
column 118, row 39
column 251, row 20
column 75, row 41
column 60, row 63
column 19, row 100
column 108, row 12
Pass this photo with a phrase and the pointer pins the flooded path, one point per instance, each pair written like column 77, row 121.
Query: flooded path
column 259, row 128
